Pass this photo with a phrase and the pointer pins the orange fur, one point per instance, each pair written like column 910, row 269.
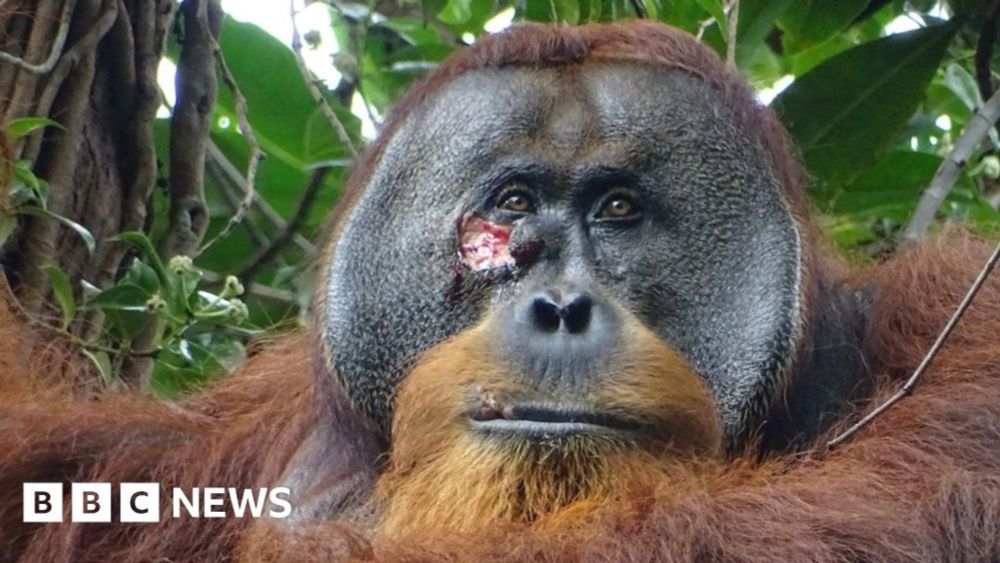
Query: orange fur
column 437, row 463
column 921, row 483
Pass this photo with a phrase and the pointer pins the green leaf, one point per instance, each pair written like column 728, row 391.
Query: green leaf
column 756, row 21
column 88, row 239
column 963, row 85
column 455, row 12
column 102, row 362
column 143, row 244
column 810, row 22
column 844, row 112
column 89, row 290
column 7, row 225
column 124, row 307
column 567, row 11
column 536, row 10
column 27, row 125
column 430, row 9
column 121, row 297
column 142, row 275
column 757, row 18
column 892, row 188
column 277, row 126
column 26, row 176
column 63, row 291
column 186, row 363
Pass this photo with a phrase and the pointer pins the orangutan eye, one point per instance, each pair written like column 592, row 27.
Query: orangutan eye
column 515, row 197
column 618, row 207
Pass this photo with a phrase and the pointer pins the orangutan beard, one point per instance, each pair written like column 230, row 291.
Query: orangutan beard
column 476, row 484
column 446, row 476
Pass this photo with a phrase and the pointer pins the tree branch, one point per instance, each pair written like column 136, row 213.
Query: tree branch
column 236, row 179
column 83, row 46
column 316, row 180
column 733, row 21
column 314, row 90
column 54, row 52
column 947, row 174
column 911, row 383
column 190, row 126
column 255, row 152
column 37, row 240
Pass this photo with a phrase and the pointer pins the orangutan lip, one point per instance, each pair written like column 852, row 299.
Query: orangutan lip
column 537, row 420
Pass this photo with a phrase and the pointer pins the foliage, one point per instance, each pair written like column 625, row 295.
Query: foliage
column 873, row 113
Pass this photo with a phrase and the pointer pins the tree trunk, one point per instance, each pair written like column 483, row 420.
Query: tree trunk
column 91, row 66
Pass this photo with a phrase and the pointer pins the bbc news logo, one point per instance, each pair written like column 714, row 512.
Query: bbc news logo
column 140, row 502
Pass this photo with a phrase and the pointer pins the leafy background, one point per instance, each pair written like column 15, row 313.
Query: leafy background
column 873, row 111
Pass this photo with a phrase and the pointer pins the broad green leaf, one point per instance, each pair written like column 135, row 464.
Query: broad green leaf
column 124, row 308
column 809, row 22
column 121, row 297
column 88, row 239
column 142, row 275
column 63, row 291
column 186, row 363
column 892, row 188
column 280, row 105
column 756, row 21
column 844, row 112
column 536, row 10
column 28, row 125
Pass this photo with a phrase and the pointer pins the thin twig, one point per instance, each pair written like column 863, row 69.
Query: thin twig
column 314, row 91
column 911, row 383
column 703, row 27
column 236, row 179
column 240, row 103
column 229, row 193
column 57, row 45
column 316, row 180
column 733, row 20
column 950, row 168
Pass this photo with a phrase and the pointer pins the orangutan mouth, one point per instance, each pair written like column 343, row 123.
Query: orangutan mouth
column 548, row 420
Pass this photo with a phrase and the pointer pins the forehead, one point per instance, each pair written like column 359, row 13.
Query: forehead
column 609, row 109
